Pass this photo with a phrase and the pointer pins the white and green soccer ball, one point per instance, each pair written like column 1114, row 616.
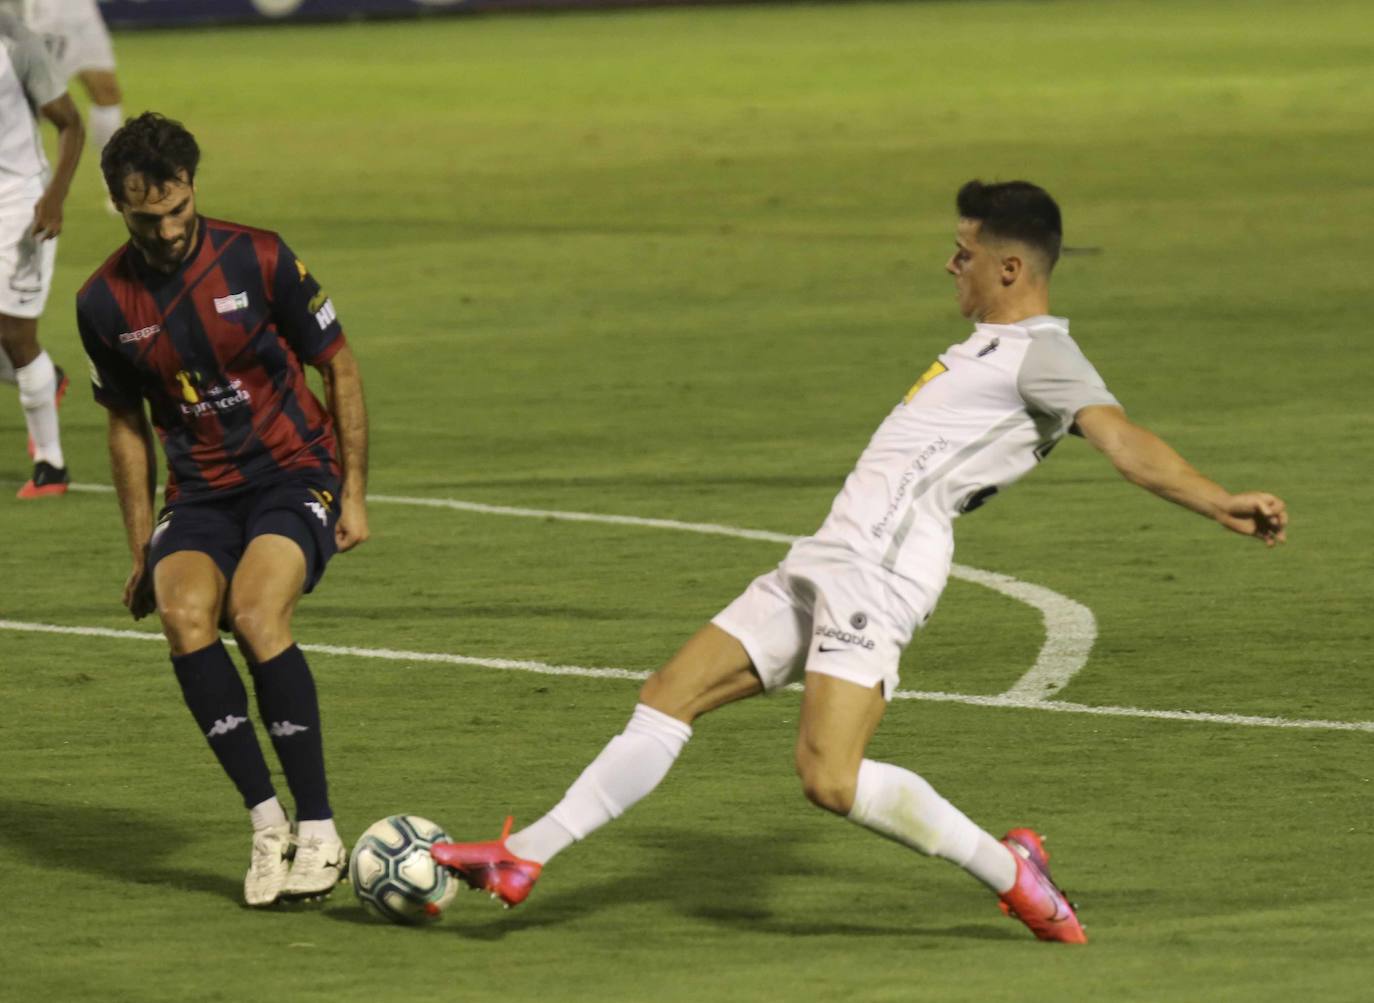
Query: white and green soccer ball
column 393, row 874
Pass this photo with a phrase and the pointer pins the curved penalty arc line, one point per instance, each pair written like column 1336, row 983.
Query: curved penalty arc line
column 1070, row 627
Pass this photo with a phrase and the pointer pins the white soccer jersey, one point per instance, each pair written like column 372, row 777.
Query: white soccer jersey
column 74, row 33
column 977, row 420
column 27, row 81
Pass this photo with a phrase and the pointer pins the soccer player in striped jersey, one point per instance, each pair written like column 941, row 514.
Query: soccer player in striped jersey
column 208, row 324
column 840, row 608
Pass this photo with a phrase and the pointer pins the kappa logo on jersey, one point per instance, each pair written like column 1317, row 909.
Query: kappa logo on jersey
column 225, row 725
column 936, row 368
column 142, row 334
column 231, row 303
column 285, row 729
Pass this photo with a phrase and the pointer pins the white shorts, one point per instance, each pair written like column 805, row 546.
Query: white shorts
column 838, row 618
column 74, row 33
column 26, row 264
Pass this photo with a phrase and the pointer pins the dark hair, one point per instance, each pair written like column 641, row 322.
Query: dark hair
column 1014, row 210
column 158, row 148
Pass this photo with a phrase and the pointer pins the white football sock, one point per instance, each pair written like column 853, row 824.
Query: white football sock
column 898, row 804
column 104, row 120
column 267, row 814
column 37, row 393
column 317, row 828
column 630, row 766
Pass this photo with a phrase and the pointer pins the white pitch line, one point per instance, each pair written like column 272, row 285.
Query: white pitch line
column 1070, row 627
column 545, row 669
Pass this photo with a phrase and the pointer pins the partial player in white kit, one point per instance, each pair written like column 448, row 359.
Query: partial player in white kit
column 844, row 603
column 31, row 198
column 80, row 47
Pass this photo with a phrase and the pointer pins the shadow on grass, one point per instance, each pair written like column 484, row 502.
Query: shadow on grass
column 725, row 881
column 107, row 842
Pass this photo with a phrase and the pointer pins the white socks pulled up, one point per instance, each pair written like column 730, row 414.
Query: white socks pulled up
column 900, row 805
column 630, row 766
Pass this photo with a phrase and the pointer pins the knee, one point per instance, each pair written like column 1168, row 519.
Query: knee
column 826, row 783
column 189, row 625
column 264, row 631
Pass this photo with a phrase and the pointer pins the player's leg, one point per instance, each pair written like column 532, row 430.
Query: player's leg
column 190, row 587
column 712, row 669
column 284, row 558
column 751, row 645
column 26, row 267
column 860, row 630
column 106, row 112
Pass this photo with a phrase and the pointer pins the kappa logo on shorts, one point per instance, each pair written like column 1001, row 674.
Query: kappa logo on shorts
column 320, row 511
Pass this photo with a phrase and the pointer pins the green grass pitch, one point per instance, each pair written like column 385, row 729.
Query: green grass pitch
column 678, row 264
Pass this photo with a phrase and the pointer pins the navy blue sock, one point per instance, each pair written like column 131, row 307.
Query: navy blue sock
column 291, row 713
column 214, row 693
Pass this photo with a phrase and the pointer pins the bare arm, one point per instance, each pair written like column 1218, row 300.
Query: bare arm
column 135, row 482
column 1145, row 459
column 343, row 393
column 71, row 137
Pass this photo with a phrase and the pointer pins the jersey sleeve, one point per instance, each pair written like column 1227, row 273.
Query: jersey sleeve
column 303, row 311
column 1056, row 379
column 36, row 71
column 114, row 382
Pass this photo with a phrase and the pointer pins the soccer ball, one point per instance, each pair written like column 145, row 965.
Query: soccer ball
column 393, row 874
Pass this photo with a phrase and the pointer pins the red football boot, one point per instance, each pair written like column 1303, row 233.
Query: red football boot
column 1034, row 899
column 63, row 382
column 46, row 480
column 490, row 867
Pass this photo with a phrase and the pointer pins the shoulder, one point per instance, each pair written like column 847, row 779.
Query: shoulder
column 111, row 272
column 223, row 229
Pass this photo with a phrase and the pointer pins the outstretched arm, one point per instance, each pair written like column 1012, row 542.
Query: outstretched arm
column 1147, row 460
column 343, row 393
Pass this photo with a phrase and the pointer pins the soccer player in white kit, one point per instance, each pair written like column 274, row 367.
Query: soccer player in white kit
column 79, row 44
column 31, row 198
column 844, row 602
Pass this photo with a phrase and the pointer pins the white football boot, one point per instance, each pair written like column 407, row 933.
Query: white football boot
column 267, row 871
column 319, row 865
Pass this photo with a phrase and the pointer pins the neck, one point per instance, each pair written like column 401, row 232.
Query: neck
column 1030, row 302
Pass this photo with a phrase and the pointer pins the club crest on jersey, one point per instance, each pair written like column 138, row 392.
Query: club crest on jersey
column 936, row 368
column 231, row 303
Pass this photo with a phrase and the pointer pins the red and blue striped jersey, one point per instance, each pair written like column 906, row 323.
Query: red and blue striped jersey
column 216, row 349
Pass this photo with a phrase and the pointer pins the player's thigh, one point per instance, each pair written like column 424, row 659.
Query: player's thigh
column 712, row 669
column 268, row 581
column 838, row 720
column 18, row 339
column 190, row 588
column 102, row 86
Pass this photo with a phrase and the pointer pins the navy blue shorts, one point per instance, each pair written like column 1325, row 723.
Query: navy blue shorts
column 301, row 510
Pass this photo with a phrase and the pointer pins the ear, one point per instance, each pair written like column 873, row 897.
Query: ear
column 1012, row 268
